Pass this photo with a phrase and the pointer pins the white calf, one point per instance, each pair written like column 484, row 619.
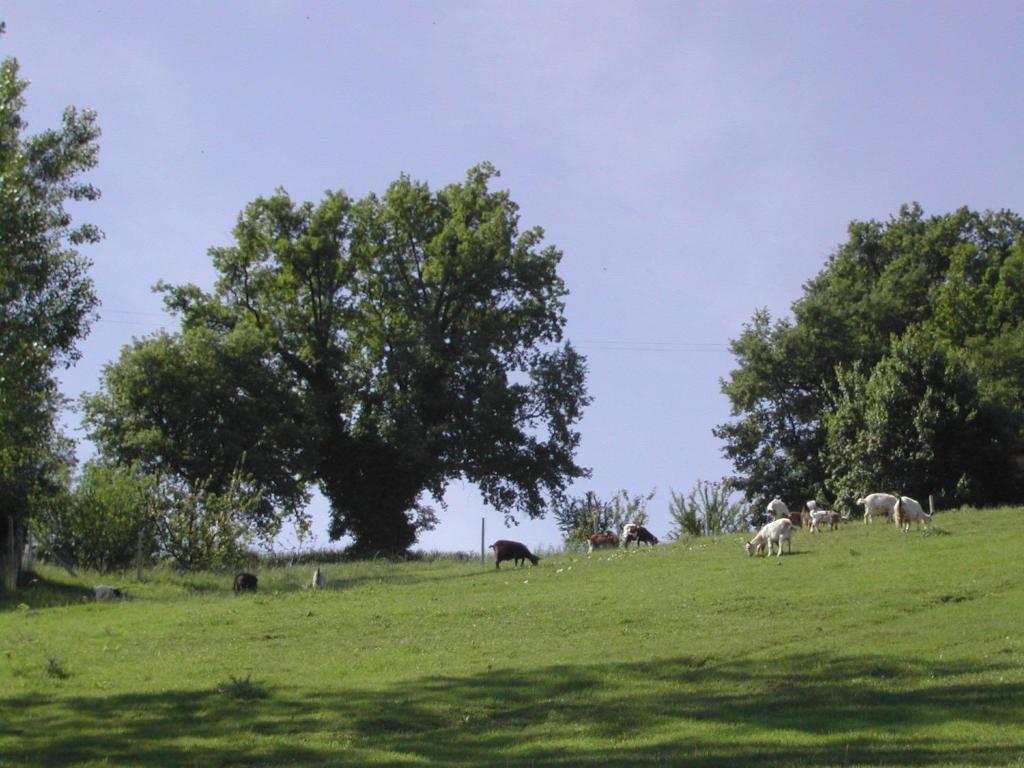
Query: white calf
column 819, row 516
column 777, row 531
column 877, row 504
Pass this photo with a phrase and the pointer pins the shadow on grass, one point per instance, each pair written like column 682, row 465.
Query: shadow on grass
column 39, row 592
column 807, row 710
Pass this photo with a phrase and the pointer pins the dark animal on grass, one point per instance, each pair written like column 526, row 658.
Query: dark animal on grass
column 106, row 592
column 639, row 534
column 245, row 582
column 599, row 540
column 512, row 550
column 836, row 519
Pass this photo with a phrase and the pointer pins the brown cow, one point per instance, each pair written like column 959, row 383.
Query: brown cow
column 598, row 540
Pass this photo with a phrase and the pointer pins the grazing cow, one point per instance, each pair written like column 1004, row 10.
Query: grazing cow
column 599, row 540
column 778, row 531
column 629, row 532
column 245, row 582
column 319, row 580
column 106, row 592
column 821, row 517
column 907, row 511
column 810, row 507
column 512, row 550
column 877, row 504
column 639, row 534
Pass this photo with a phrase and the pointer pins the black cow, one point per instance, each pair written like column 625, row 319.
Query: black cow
column 512, row 550
column 639, row 534
column 245, row 582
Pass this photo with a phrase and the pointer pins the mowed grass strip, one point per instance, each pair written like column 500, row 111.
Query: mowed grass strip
column 865, row 647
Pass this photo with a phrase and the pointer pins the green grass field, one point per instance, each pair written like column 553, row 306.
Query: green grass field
column 865, row 647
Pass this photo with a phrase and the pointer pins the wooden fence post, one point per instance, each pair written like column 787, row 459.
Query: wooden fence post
column 483, row 519
column 931, row 504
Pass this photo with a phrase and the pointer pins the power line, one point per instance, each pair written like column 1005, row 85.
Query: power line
column 136, row 312
column 651, row 346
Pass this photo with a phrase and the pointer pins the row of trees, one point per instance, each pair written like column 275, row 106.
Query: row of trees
column 902, row 369
column 375, row 349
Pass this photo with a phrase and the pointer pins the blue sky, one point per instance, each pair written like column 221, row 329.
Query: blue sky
column 694, row 161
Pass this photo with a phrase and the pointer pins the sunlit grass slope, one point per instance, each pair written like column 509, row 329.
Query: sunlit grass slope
column 865, row 647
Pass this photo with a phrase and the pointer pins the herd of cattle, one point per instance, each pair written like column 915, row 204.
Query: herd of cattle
column 518, row 553
column 903, row 510
column 778, row 530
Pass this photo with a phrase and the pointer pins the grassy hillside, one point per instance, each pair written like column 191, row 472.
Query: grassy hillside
column 865, row 647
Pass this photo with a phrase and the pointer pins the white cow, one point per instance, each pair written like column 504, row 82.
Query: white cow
column 777, row 509
column 877, row 504
column 907, row 511
column 819, row 516
column 777, row 531
column 629, row 531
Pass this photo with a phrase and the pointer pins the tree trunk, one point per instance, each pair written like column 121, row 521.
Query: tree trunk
column 371, row 489
column 11, row 563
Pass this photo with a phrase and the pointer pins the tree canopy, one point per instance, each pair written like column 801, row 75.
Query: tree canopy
column 47, row 300
column 378, row 348
column 900, row 369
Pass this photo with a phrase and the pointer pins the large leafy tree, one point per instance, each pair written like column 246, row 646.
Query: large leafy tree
column 385, row 346
column 955, row 278
column 917, row 424
column 197, row 408
column 47, row 299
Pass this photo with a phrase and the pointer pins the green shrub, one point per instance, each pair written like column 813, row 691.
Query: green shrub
column 580, row 518
column 709, row 508
column 100, row 524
